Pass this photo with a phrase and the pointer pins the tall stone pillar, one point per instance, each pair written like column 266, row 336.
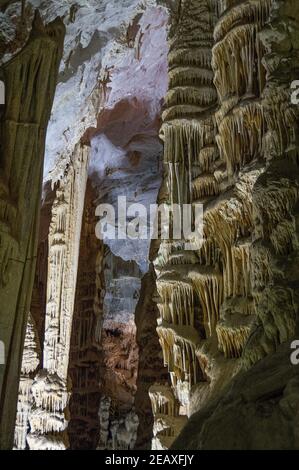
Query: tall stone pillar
column 51, row 388
column 30, row 79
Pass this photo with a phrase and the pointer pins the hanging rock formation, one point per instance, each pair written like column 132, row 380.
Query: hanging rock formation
column 191, row 284
column 168, row 420
column 275, row 196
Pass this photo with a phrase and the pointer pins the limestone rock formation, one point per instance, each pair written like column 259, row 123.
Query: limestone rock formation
column 50, row 388
column 179, row 342
column 229, row 304
column 30, row 363
column 30, row 78
column 94, row 290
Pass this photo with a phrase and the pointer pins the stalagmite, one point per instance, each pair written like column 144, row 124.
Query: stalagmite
column 30, row 362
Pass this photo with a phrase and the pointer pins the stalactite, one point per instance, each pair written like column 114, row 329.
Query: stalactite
column 234, row 12
column 232, row 339
column 209, row 253
column 178, row 346
column 234, row 61
column 163, row 400
column 241, row 161
column 206, row 158
column 190, row 151
column 183, row 258
column 204, row 186
column 240, row 137
column 183, row 95
column 209, row 288
column 275, row 195
column 233, row 330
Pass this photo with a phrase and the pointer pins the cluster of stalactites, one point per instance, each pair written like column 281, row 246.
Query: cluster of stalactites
column 240, row 135
column 177, row 305
column 179, row 346
column 208, row 285
column 163, row 400
column 275, row 248
column 232, row 339
column 234, row 12
column 237, row 62
column 216, row 156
